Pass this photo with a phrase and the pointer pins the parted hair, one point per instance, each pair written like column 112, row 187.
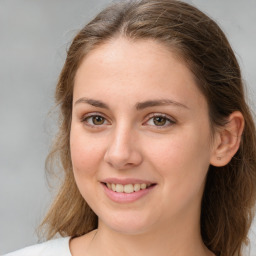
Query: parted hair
column 229, row 197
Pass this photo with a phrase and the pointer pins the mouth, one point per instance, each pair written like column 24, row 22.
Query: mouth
column 127, row 188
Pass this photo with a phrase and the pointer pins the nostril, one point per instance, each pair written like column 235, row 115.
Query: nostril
column 123, row 160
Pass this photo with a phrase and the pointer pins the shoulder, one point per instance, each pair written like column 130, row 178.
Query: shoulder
column 54, row 247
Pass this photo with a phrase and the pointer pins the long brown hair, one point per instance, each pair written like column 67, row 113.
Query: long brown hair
column 230, row 191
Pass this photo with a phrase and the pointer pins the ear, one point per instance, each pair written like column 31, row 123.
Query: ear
column 227, row 140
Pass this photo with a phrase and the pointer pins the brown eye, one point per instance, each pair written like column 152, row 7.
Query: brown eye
column 94, row 120
column 98, row 120
column 159, row 120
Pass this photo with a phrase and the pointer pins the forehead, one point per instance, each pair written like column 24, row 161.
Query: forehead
column 136, row 67
column 132, row 53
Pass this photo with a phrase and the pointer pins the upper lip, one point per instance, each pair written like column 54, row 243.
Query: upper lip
column 126, row 181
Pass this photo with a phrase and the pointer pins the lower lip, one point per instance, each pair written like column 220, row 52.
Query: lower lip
column 126, row 197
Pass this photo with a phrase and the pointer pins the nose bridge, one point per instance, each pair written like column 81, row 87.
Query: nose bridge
column 122, row 151
column 121, row 138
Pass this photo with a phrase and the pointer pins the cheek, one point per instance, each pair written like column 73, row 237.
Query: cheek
column 181, row 159
column 85, row 154
column 182, row 164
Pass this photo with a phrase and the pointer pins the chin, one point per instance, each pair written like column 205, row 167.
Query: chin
column 129, row 224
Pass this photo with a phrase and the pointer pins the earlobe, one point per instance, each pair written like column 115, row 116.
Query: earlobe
column 227, row 140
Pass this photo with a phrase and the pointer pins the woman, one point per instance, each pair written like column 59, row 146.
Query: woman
column 156, row 141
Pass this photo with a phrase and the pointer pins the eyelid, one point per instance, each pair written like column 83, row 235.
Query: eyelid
column 169, row 118
column 92, row 114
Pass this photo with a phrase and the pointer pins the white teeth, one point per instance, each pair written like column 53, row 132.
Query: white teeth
column 119, row 188
column 136, row 187
column 113, row 187
column 143, row 186
column 128, row 188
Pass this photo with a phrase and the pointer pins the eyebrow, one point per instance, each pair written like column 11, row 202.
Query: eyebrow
column 95, row 103
column 139, row 105
column 162, row 102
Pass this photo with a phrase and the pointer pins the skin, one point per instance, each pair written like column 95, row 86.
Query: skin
column 127, row 143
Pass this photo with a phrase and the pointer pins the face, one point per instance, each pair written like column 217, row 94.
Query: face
column 140, row 136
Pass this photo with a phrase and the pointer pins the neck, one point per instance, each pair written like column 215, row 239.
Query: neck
column 179, row 239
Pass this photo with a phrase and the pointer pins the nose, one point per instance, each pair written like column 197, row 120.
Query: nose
column 123, row 150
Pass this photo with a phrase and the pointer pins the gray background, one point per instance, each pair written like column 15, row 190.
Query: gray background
column 34, row 35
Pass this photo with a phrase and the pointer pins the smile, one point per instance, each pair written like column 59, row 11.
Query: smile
column 128, row 188
column 128, row 192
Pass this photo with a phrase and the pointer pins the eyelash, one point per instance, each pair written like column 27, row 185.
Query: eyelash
column 164, row 116
column 89, row 116
column 85, row 119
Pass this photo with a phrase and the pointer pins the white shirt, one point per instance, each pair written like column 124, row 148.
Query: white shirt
column 56, row 247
